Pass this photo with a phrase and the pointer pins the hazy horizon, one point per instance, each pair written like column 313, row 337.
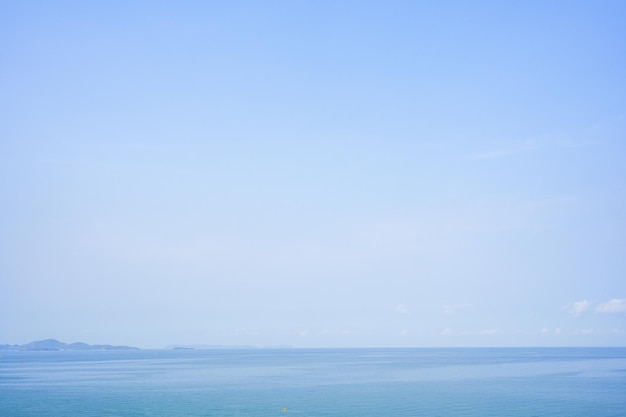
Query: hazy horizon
column 314, row 174
column 175, row 346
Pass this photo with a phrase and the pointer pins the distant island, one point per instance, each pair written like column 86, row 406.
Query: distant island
column 53, row 344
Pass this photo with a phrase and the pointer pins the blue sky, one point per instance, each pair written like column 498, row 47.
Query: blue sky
column 313, row 173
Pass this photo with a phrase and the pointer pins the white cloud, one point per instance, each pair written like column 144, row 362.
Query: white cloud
column 402, row 309
column 613, row 306
column 404, row 332
column 577, row 308
column 446, row 332
column 489, row 332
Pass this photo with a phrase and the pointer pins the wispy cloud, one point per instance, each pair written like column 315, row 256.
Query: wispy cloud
column 614, row 306
column 246, row 332
column 546, row 330
column 525, row 146
column 597, row 332
column 402, row 309
column 577, row 308
column 488, row 332
column 569, row 143
column 452, row 309
column 449, row 310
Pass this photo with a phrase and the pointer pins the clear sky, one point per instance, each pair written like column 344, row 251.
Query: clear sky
column 313, row 173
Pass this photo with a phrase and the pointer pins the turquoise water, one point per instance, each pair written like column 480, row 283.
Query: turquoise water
column 316, row 382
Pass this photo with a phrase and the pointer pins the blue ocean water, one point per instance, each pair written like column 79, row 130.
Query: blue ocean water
column 316, row 382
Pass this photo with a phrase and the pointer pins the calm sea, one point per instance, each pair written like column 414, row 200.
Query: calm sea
column 316, row 382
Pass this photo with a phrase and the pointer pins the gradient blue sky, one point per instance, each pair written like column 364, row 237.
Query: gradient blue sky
column 312, row 173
